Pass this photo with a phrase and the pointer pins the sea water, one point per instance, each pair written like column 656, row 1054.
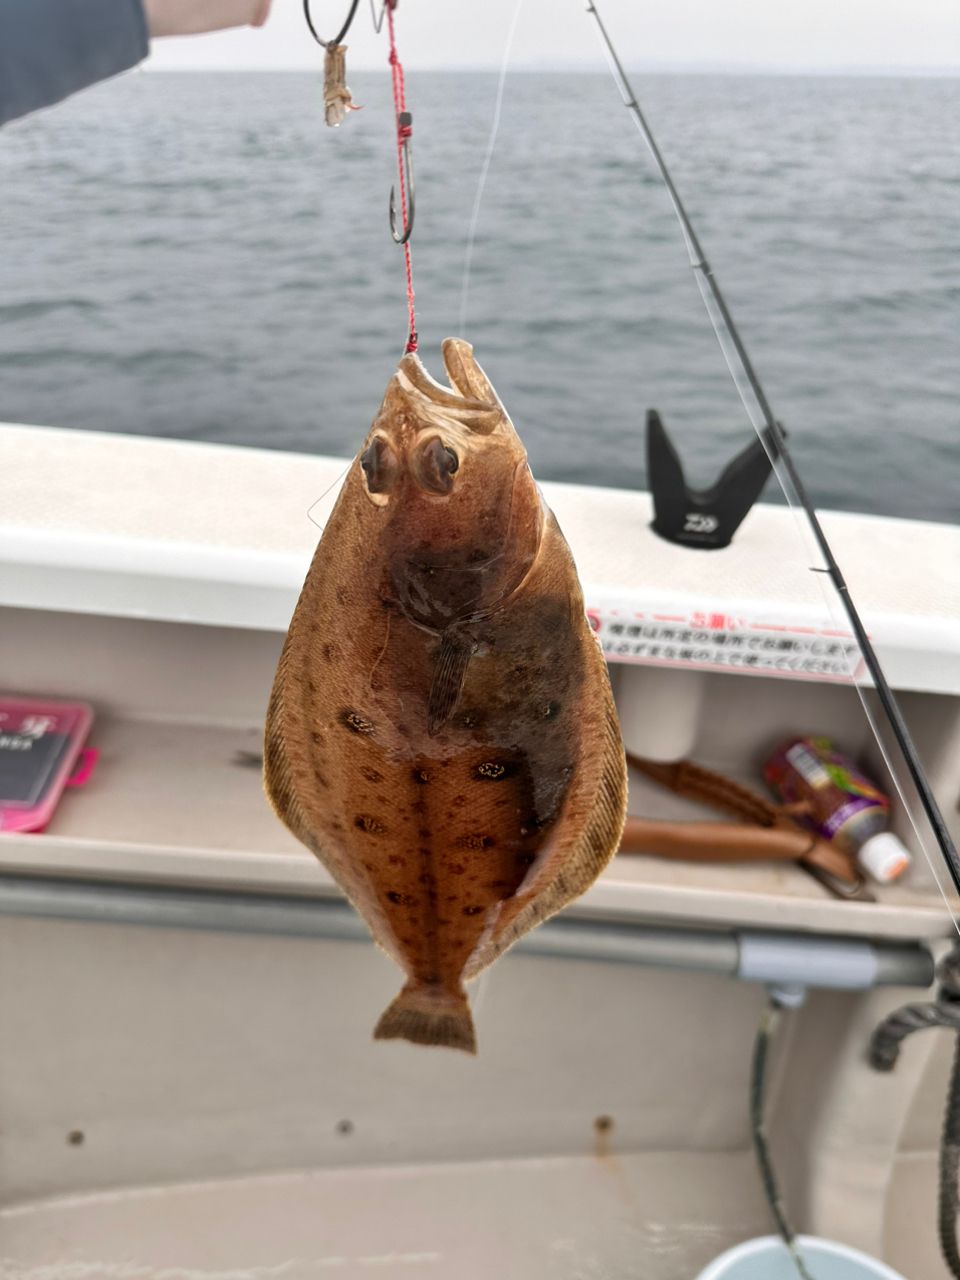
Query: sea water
column 197, row 256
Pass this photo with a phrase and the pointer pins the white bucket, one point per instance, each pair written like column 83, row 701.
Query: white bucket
column 769, row 1259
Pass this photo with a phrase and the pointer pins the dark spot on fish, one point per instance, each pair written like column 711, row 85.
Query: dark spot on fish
column 472, row 911
column 424, row 851
column 457, row 868
column 452, row 897
column 403, row 729
column 494, row 770
column 366, row 822
column 371, row 775
column 431, row 979
column 442, row 920
column 330, row 651
column 316, row 738
column 474, row 841
column 311, row 688
column 551, row 710
column 352, row 720
column 320, row 780
column 401, row 899
column 459, row 801
column 427, row 878
column 395, row 860
column 424, row 833
column 341, row 596
column 420, row 776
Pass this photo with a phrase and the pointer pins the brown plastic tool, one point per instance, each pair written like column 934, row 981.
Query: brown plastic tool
column 764, row 832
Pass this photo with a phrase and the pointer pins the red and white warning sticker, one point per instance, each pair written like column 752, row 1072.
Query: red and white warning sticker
column 734, row 640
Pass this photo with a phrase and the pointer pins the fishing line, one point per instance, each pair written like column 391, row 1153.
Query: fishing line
column 316, row 502
column 485, row 170
column 772, row 436
column 338, row 38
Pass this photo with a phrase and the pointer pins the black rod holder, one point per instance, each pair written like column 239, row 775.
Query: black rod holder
column 703, row 518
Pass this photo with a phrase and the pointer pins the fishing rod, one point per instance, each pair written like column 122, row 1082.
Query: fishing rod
column 775, row 441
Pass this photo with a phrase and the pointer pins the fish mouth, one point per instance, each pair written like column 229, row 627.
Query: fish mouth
column 470, row 399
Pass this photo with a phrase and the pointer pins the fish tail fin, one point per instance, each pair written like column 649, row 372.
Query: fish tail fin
column 429, row 1015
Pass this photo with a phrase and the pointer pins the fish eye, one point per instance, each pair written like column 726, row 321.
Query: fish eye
column 380, row 466
column 435, row 465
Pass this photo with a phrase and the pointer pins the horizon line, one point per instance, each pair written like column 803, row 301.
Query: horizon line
column 732, row 69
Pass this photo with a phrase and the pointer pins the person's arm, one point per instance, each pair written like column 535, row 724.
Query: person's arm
column 51, row 48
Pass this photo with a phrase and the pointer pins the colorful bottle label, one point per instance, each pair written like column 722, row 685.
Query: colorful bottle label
column 836, row 796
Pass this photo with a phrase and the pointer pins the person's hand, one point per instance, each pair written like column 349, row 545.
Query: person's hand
column 191, row 17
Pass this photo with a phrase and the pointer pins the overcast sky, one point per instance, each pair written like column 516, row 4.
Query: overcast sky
column 802, row 35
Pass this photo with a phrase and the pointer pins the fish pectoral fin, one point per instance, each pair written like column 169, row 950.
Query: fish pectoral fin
column 449, row 672
column 429, row 1015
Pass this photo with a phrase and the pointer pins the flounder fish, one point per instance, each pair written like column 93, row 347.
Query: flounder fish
column 441, row 732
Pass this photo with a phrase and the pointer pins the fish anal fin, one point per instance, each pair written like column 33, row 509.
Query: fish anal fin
column 430, row 1015
column 449, row 672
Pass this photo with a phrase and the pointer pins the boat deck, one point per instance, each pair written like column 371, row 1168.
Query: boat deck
column 566, row 1218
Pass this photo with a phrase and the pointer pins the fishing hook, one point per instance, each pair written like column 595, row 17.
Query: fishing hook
column 338, row 38
column 405, row 126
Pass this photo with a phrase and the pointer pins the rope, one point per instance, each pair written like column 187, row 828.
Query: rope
column 758, row 1087
column 404, row 134
column 884, row 1052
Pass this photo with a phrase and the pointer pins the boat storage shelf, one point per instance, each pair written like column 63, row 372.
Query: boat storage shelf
column 155, row 579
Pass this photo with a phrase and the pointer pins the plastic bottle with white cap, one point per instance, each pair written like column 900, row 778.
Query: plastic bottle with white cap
column 839, row 802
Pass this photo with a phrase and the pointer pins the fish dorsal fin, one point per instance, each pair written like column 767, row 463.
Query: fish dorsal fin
column 482, row 415
column 465, row 374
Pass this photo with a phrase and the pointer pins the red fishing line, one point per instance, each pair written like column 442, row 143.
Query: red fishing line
column 404, row 133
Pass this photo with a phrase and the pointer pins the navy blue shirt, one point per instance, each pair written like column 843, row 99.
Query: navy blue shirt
column 51, row 48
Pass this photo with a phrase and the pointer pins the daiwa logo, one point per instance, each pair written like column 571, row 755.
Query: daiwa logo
column 697, row 522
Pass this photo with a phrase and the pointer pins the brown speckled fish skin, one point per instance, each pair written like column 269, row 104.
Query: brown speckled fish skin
column 441, row 731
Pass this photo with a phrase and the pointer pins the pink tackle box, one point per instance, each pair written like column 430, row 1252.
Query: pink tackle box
column 41, row 752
